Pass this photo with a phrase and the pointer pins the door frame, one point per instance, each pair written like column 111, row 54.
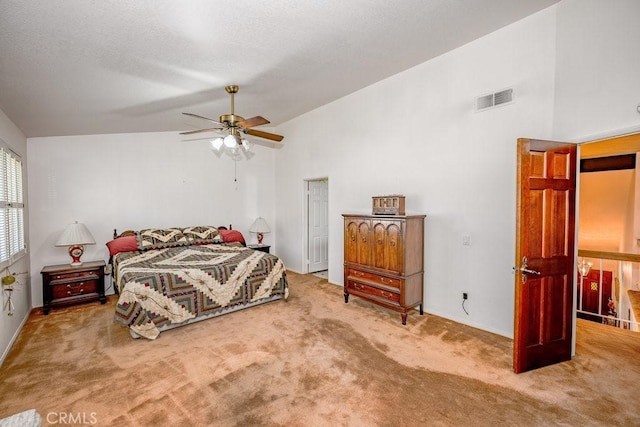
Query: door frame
column 621, row 146
column 305, row 234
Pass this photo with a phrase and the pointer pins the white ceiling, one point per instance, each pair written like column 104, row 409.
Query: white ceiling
column 72, row 67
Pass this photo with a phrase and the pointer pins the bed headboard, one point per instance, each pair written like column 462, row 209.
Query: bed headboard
column 133, row 233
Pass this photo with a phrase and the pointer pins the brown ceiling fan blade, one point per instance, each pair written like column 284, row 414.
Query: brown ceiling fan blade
column 252, row 122
column 265, row 135
column 190, row 132
column 203, row 118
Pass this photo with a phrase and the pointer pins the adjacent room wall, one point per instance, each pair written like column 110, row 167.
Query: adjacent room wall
column 134, row 181
column 417, row 134
column 10, row 325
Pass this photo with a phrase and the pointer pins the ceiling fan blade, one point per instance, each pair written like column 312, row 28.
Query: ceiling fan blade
column 202, row 117
column 265, row 135
column 252, row 122
column 190, row 132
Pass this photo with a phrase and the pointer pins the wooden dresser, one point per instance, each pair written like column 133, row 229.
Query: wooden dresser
column 384, row 260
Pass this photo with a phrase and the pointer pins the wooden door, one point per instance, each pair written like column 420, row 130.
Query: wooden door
column 593, row 294
column 545, row 253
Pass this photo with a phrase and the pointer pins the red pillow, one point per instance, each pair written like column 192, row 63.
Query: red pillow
column 230, row 236
column 123, row 244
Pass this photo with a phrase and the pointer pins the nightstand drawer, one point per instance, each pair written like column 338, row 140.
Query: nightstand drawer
column 71, row 289
column 73, row 276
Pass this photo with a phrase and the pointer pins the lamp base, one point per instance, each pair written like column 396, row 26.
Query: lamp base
column 76, row 252
column 260, row 237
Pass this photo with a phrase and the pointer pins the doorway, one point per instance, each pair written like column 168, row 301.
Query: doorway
column 317, row 207
column 609, row 200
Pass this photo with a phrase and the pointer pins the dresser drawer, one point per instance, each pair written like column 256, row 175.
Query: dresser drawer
column 372, row 290
column 375, row 278
column 71, row 289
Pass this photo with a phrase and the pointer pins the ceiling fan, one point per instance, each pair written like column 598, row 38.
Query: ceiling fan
column 234, row 126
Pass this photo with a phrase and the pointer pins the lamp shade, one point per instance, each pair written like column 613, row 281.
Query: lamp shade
column 260, row 226
column 75, row 234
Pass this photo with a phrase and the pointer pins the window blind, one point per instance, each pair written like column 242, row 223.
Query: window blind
column 12, row 239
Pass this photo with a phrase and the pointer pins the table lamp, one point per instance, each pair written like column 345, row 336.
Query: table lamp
column 260, row 227
column 75, row 236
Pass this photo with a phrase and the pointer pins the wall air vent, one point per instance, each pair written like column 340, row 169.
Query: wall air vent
column 494, row 99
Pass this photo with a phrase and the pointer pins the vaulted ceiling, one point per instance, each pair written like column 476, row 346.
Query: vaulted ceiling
column 71, row 67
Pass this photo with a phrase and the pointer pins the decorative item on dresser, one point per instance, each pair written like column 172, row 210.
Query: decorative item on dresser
column 66, row 284
column 388, row 205
column 384, row 261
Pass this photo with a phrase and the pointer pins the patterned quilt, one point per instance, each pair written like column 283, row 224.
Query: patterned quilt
column 163, row 287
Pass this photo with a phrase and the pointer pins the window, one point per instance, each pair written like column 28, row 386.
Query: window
column 12, row 242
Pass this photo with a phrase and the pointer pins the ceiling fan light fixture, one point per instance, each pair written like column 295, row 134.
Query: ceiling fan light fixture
column 233, row 144
column 230, row 141
column 216, row 144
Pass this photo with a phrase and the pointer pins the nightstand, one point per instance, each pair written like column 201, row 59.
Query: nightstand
column 263, row 248
column 66, row 285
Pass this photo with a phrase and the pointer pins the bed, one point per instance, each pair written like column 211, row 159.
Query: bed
column 175, row 276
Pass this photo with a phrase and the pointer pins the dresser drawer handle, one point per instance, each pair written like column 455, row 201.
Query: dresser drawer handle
column 75, row 285
column 75, row 293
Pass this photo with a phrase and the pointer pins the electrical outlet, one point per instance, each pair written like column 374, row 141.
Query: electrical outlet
column 465, row 295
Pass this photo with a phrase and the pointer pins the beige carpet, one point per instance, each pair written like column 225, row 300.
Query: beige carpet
column 312, row 361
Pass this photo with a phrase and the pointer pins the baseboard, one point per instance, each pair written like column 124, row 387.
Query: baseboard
column 13, row 338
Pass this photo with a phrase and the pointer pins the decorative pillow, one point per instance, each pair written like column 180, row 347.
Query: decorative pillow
column 230, row 236
column 158, row 238
column 123, row 244
column 202, row 235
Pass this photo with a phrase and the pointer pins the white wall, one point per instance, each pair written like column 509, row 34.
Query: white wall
column 134, row 181
column 10, row 325
column 417, row 134
column 598, row 64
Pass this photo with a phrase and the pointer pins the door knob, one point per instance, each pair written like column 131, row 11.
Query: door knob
column 524, row 270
